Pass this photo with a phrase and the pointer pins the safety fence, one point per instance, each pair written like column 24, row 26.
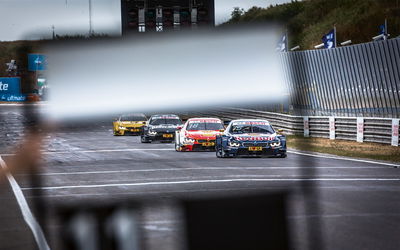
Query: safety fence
column 361, row 129
column 358, row 80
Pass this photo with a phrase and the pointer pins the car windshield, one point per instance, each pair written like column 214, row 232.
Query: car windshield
column 169, row 121
column 251, row 128
column 194, row 126
column 132, row 118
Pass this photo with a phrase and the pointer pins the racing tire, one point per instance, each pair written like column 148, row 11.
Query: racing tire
column 220, row 153
column 283, row 155
column 177, row 147
column 143, row 140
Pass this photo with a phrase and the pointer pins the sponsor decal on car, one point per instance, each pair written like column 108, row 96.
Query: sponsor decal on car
column 255, row 138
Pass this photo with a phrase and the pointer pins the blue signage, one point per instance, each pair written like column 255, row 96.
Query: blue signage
column 10, row 89
column 37, row 62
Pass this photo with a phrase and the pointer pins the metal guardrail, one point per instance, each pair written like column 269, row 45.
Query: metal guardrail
column 379, row 130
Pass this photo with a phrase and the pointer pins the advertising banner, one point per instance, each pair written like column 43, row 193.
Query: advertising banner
column 10, row 89
column 37, row 62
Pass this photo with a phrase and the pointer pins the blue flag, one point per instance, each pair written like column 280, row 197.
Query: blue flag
column 329, row 40
column 282, row 45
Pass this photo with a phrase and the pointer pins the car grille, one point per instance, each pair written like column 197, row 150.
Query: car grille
column 255, row 144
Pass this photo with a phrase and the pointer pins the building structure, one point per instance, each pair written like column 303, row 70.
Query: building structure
column 166, row 15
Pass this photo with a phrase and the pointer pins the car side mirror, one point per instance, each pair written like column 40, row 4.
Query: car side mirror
column 280, row 131
column 222, row 130
column 179, row 127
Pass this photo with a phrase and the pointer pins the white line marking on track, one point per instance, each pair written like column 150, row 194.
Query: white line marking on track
column 26, row 212
column 108, row 150
column 202, row 190
column 170, row 149
column 158, row 183
column 100, row 151
column 343, row 158
column 191, row 169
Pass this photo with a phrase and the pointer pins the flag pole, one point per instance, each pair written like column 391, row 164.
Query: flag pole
column 385, row 35
column 287, row 41
column 334, row 31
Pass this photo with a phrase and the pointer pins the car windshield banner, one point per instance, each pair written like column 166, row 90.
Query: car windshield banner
column 165, row 117
column 205, row 121
column 251, row 123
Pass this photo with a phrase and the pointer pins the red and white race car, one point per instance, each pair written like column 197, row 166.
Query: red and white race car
column 198, row 134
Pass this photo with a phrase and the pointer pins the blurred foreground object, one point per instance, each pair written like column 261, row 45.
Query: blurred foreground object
column 164, row 71
column 28, row 155
column 232, row 222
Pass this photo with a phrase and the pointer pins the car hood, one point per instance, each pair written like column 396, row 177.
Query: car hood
column 203, row 134
column 255, row 137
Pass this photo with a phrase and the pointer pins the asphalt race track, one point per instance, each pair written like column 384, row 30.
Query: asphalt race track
column 357, row 202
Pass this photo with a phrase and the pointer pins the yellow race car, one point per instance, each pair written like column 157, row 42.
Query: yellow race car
column 129, row 124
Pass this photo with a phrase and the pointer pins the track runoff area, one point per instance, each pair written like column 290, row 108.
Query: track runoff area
column 358, row 199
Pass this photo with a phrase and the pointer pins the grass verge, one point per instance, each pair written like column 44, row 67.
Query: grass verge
column 375, row 151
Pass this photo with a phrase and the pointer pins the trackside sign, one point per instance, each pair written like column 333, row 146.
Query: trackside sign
column 395, row 132
column 360, row 129
column 332, row 128
column 306, row 126
column 10, row 89
column 37, row 62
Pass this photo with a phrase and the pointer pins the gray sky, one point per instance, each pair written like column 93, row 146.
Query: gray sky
column 32, row 19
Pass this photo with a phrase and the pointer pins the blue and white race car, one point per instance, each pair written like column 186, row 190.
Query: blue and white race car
column 250, row 138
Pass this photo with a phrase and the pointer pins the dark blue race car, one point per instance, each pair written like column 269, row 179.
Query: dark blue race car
column 161, row 128
column 250, row 138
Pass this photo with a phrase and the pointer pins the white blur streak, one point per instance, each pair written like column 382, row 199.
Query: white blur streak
column 178, row 71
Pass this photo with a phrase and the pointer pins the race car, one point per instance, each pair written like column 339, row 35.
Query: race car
column 250, row 138
column 198, row 134
column 160, row 128
column 129, row 124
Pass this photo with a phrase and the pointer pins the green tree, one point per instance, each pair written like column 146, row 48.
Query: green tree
column 236, row 14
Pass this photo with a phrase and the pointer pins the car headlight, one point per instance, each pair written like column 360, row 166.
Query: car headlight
column 234, row 144
column 188, row 141
column 152, row 132
column 276, row 144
